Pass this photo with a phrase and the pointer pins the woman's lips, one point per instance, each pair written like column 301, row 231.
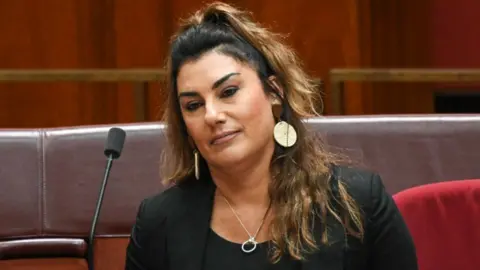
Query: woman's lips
column 224, row 137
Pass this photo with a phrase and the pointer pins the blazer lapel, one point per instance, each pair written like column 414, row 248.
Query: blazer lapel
column 189, row 234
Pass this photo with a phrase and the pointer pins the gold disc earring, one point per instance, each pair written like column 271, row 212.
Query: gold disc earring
column 284, row 134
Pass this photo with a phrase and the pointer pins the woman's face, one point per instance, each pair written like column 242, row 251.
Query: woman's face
column 226, row 110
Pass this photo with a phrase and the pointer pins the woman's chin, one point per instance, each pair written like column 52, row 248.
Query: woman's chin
column 230, row 157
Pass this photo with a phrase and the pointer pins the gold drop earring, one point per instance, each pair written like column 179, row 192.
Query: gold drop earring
column 196, row 164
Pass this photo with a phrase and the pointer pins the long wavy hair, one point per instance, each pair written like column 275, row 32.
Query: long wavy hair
column 300, row 190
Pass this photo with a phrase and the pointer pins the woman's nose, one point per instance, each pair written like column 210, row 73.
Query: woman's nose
column 213, row 113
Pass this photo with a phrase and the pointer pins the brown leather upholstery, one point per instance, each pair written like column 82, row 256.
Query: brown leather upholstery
column 49, row 179
column 20, row 188
column 408, row 150
column 45, row 264
column 42, row 247
column 74, row 168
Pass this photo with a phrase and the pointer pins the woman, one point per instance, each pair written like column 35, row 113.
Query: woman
column 252, row 189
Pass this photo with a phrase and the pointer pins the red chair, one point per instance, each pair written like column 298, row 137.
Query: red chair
column 444, row 219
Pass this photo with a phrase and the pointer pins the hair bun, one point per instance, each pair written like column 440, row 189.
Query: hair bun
column 216, row 16
column 220, row 13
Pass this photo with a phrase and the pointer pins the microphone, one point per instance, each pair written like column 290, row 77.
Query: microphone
column 113, row 150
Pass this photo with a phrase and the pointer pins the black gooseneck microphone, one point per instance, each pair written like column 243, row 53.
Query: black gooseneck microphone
column 113, row 149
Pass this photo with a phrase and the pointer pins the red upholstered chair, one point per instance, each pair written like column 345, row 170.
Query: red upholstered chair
column 444, row 219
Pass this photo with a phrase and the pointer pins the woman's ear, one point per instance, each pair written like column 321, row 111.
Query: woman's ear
column 276, row 86
column 275, row 96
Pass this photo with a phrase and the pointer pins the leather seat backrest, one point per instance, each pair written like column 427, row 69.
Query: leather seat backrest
column 407, row 150
column 50, row 178
column 74, row 169
column 21, row 210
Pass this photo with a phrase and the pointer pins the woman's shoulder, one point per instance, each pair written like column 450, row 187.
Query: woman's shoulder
column 171, row 201
column 355, row 177
column 386, row 233
column 363, row 185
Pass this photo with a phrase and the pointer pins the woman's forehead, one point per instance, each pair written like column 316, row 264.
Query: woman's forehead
column 209, row 69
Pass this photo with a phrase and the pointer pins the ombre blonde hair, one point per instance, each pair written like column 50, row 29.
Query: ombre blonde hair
column 301, row 191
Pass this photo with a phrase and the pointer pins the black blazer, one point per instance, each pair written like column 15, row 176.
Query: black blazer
column 171, row 230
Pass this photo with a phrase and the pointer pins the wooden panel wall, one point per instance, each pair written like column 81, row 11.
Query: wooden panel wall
column 413, row 34
column 75, row 34
column 455, row 42
column 135, row 34
column 392, row 34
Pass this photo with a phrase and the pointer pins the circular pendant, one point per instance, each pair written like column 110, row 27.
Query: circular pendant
column 284, row 134
column 249, row 246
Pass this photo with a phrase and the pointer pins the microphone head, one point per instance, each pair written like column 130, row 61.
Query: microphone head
column 115, row 141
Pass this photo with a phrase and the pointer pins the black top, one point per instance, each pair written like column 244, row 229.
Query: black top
column 172, row 231
column 221, row 254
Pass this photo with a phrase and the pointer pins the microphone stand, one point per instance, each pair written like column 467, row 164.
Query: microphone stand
column 91, row 236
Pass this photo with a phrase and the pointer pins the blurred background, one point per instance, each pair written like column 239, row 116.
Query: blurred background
column 81, row 62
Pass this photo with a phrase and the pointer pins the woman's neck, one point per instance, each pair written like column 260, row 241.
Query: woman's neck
column 246, row 188
column 247, row 182
column 245, row 185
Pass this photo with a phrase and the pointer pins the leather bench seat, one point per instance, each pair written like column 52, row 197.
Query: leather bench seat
column 50, row 178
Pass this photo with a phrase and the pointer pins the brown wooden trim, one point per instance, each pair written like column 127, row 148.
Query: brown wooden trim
column 406, row 75
column 83, row 75
column 338, row 78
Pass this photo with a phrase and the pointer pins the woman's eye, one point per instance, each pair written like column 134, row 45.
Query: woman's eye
column 230, row 91
column 192, row 106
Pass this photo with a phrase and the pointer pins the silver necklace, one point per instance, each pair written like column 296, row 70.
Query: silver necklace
column 251, row 240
